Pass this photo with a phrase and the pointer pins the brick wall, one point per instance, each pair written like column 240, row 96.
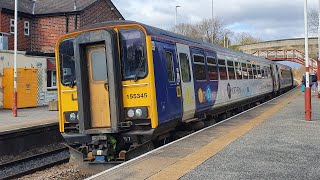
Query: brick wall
column 23, row 41
column 100, row 11
column 47, row 31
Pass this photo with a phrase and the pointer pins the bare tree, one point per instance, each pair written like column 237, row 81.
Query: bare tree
column 208, row 30
column 313, row 22
column 187, row 30
column 213, row 30
column 244, row 38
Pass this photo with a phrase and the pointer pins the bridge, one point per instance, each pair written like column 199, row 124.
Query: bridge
column 285, row 50
column 292, row 55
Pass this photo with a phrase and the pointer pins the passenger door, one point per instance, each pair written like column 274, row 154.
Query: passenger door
column 187, row 83
column 98, row 86
column 174, row 99
column 98, row 79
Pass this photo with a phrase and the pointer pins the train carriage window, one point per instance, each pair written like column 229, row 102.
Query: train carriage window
column 199, row 67
column 245, row 71
column 254, row 70
column 222, row 69
column 262, row 68
column 231, row 70
column 250, row 71
column 185, row 67
column 238, row 70
column 259, row 75
column 170, row 67
column 212, row 68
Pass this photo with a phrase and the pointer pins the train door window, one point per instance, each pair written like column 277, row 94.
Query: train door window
column 238, row 70
column 222, row 69
column 245, row 71
column 185, row 67
column 231, row 70
column 254, row 70
column 250, row 71
column 212, row 68
column 99, row 64
column 259, row 75
column 199, row 67
column 170, row 67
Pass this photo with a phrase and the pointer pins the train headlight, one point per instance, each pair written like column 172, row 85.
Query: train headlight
column 130, row 113
column 71, row 117
column 137, row 113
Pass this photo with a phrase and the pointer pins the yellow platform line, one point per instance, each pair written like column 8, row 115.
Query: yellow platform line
column 188, row 163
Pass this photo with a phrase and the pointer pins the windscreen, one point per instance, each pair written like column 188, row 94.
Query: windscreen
column 133, row 54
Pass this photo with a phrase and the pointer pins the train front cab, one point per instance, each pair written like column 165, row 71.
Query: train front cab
column 106, row 87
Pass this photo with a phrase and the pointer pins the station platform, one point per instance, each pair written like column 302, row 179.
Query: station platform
column 271, row 141
column 27, row 117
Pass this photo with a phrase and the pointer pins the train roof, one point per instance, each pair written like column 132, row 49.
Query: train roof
column 154, row 31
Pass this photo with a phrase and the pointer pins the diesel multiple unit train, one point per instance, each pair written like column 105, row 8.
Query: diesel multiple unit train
column 123, row 84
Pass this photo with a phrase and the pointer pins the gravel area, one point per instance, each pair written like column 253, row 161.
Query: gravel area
column 34, row 163
column 48, row 148
column 65, row 171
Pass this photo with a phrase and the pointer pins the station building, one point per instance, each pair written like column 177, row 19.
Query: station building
column 40, row 24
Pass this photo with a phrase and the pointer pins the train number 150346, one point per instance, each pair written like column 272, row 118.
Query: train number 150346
column 137, row 96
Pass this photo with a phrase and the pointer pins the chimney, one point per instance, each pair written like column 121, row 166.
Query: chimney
column 33, row 6
column 75, row 5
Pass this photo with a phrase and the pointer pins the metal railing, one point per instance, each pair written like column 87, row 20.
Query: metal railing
column 286, row 55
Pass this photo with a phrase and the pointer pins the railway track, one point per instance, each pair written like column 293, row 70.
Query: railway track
column 33, row 163
column 29, row 149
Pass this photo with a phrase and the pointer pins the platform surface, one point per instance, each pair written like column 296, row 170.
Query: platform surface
column 27, row 117
column 271, row 141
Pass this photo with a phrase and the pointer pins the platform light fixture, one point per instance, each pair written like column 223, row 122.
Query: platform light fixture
column 175, row 22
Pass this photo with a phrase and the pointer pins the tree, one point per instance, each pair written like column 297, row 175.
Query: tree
column 298, row 73
column 213, row 30
column 244, row 38
column 187, row 30
column 208, row 30
column 313, row 22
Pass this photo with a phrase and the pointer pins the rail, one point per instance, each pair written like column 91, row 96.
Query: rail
column 33, row 163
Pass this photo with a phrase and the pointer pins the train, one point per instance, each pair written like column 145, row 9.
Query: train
column 124, row 85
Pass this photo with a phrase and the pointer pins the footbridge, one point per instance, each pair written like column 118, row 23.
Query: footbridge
column 292, row 55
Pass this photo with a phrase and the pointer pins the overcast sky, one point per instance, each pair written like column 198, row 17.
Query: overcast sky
column 265, row 19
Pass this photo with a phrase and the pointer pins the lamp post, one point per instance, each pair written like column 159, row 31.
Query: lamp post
column 15, row 93
column 175, row 22
column 212, row 20
column 307, row 90
column 212, row 9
